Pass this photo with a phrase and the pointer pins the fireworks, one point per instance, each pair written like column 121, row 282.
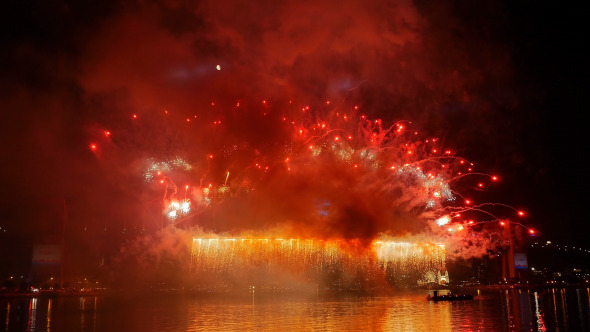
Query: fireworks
column 178, row 208
column 158, row 169
column 328, row 173
column 273, row 261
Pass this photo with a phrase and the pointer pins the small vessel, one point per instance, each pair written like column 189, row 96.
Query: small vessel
column 446, row 295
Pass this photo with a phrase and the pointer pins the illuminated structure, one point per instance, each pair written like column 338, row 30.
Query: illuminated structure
column 278, row 263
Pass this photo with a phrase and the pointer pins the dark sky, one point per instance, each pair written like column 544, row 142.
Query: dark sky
column 500, row 81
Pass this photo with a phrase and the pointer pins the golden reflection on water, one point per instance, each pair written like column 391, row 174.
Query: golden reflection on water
column 405, row 316
column 94, row 311
column 563, row 308
column 49, row 315
column 82, row 306
column 401, row 313
column 554, row 306
column 7, row 316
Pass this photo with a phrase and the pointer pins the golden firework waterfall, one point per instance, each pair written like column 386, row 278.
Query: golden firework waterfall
column 278, row 263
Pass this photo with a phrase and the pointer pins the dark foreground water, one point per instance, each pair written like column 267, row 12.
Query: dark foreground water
column 499, row 310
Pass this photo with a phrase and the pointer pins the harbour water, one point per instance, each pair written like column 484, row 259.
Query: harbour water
column 491, row 310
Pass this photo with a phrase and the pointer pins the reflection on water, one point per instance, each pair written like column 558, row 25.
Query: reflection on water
column 48, row 326
column 501, row 310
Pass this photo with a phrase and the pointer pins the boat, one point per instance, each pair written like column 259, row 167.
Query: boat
column 446, row 295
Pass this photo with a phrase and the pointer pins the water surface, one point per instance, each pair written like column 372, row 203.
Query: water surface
column 499, row 310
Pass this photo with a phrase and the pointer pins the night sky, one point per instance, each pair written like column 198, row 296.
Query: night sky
column 500, row 82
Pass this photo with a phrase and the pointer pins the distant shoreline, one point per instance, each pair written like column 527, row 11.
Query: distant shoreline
column 281, row 292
